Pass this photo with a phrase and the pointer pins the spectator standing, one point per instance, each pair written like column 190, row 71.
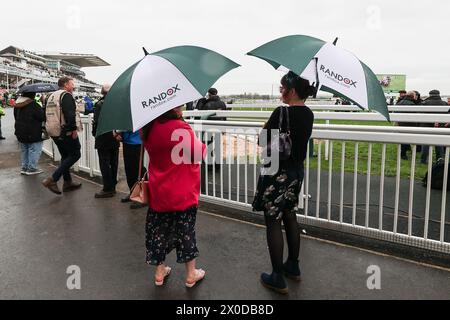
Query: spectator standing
column 174, row 189
column 88, row 105
column 213, row 102
column 131, row 142
column 108, row 152
column 407, row 100
column 190, row 106
column 278, row 194
column 402, row 94
column 29, row 116
column 61, row 125
column 434, row 99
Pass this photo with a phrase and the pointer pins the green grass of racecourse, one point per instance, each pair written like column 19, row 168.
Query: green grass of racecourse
column 391, row 156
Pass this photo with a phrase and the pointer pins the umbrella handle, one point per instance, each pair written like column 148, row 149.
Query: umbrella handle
column 316, row 85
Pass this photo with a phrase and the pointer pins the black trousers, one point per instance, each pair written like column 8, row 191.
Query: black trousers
column 131, row 154
column 109, row 163
column 70, row 150
column 404, row 149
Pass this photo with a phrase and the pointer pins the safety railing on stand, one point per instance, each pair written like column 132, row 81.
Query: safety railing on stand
column 363, row 187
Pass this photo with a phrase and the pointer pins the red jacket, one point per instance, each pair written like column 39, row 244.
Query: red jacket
column 174, row 169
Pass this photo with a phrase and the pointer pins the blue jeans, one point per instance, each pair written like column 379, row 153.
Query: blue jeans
column 70, row 150
column 31, row 152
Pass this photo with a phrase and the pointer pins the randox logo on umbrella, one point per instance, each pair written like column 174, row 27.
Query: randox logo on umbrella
column 161, row 98
column 337, row 77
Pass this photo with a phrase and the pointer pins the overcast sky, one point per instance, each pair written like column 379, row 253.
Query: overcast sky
column 406, row 37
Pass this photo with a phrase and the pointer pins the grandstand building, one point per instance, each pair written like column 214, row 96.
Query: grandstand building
column 18, row 66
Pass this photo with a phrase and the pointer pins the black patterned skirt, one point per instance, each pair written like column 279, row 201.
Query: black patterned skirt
column 280, row 192
column 168, row 231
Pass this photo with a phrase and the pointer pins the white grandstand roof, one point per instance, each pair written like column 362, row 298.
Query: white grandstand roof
column 82, row 60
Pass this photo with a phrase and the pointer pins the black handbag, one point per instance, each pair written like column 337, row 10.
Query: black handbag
column 285, row 141
column 284, row 146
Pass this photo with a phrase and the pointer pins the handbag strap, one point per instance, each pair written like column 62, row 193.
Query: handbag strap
column 141, row 160
column 280, row 125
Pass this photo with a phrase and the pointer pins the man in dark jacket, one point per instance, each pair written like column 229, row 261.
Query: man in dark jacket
column 401, row 95
column 213, row 102
column 407, row 100
column 108, row 152
column 28, row 130
column 434, row 99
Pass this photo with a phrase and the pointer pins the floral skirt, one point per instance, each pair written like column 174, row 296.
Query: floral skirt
column 278, row 193
column 168, row 231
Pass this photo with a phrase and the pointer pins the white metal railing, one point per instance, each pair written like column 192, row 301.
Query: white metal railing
column 329, row 107
column 395, row 209
column 88, row 162
column 234, row 182
column 353, row 116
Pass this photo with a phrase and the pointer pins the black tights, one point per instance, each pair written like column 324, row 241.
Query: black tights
column 275, row 239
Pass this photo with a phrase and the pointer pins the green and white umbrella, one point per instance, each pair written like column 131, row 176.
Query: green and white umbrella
column 160, row 82
column 328, row 67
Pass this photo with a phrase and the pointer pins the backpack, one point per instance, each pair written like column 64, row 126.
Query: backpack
column 53, row 114
column 437, row 176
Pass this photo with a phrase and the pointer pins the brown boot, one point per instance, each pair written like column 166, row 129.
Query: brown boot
column 51, row 185
column 70, row 186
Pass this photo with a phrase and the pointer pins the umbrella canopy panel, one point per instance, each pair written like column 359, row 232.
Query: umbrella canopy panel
column 201, row 66
column 330, row 68
column 338, row 70
column 160, row 82
column 149, row 91
column 293, row 52
column 38, row 87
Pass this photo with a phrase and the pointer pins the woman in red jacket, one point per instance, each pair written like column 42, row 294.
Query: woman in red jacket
column 174, row 189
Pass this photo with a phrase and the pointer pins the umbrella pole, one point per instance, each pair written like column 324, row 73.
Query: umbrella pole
column 317, row 78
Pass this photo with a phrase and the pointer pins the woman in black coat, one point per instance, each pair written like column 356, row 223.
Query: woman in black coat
column 29, row 117
column 277, row 194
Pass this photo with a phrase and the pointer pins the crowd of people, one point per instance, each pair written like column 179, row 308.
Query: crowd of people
column 412, row 98
column 174, row 188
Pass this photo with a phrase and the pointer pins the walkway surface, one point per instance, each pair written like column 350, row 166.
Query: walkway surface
column 42, row 234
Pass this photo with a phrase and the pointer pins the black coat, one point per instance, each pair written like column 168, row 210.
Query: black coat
column 434, row 100
column 29, row 117
column 106, row 140
column 214, row 103
column 406, row 101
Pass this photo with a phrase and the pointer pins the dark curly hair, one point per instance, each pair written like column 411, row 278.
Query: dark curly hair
column 169, row 115
column 299, row 84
